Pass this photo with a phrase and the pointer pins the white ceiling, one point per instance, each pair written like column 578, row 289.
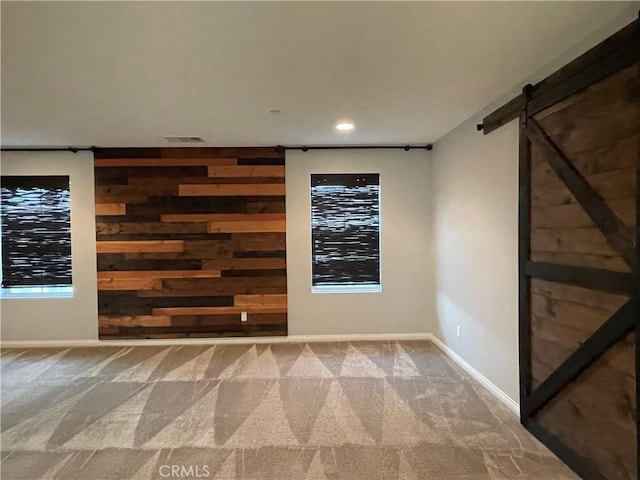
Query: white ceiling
column 127, row 73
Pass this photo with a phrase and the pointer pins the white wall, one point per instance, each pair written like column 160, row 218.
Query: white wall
column 405, row 303
column 475, row 191
column 59, row 318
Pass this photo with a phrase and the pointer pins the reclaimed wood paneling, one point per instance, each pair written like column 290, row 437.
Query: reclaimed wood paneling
column 595, row 414
column 188, row 239
column 562, row 317
column 581, row 216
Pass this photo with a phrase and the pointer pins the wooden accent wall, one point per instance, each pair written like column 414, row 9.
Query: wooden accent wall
column 189, row 238
column 579, row 254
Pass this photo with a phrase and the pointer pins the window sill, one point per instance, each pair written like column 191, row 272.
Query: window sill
column 346, row 289
column 36, row 292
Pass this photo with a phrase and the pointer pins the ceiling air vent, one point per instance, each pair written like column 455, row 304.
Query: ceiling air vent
column 180, row 139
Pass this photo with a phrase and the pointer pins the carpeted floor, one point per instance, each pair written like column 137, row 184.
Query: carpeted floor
column 352, row 411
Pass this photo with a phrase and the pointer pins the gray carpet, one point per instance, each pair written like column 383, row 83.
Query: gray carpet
column 361, row 410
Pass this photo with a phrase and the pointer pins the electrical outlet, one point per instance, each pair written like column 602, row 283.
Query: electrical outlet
column 458, row 331
column 243, row 316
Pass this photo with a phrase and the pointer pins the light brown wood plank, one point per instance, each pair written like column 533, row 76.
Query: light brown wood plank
column 572, row 215
column 580, row 317
column 159, row 274
column 111, row 208
column 220, row 310
column 572, row 240
column 223, row 217
column 610, row 185
column 217, row 190
column 247, row 227
column 247, row 171
column 258, row 300
column 588, row 162
column 591, row 298
column 604, row 262
column 135, row 321
column 140, row 246
column 129, row 284
column 163, row 162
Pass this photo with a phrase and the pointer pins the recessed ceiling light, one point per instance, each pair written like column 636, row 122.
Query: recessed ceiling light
column 345, row 125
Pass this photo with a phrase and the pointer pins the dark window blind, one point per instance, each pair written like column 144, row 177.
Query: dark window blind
column 36, row 231
column 345, row 226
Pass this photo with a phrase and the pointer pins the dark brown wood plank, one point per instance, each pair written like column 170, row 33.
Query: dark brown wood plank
column 621, row 58
column 163, row 162
column 602, row 280
column 503, row 115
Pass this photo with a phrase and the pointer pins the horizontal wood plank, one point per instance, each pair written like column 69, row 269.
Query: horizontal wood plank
column 591, row 298
column 111, row 209
column 129, row 284
column 220, row 310
column 574, row 240
column 181, row 287
column 247, row 227
column 222, row 190
column 140, row 246
column 159, row 274
column 257, row 300
column 599, row 262
column 247, row 171
column 223, row 217
column 163, row 162
column 573, row 215
column 149, row 228
column 134, row 321
column 268, row 263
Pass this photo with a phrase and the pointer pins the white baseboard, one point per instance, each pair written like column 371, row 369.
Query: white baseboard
column 484, row 381
column 347, row 337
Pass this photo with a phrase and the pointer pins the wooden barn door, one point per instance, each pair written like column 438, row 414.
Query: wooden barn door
column 579, row 285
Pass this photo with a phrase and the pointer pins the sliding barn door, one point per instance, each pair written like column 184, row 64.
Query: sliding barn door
column 579, row 274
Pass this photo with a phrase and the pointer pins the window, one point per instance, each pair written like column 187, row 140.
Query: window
column 345, row 231
column 36, row 236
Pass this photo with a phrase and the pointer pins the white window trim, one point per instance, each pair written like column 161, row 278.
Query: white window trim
column 37, row 291
column 346, row 288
